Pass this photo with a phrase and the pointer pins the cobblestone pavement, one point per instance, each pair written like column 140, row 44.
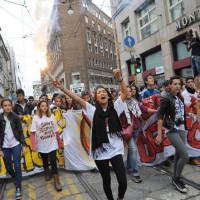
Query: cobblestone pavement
column 155, row 186
column 35, row 187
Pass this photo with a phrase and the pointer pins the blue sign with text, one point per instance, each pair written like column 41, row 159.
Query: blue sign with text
column 129, row 41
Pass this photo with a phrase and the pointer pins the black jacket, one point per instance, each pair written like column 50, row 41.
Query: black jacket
column 16, row 126
column 27, row 109
column 167, row 108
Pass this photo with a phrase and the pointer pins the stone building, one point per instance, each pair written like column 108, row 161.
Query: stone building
column 5, row 70
column 80, row 48
column 159, row 28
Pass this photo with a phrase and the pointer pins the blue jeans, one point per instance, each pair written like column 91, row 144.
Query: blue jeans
column 132, row 161
column 195, row 65
column 16, row 153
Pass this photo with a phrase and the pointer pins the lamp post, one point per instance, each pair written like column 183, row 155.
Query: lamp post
column 70, row 10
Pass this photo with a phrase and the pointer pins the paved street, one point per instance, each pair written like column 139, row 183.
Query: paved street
column 155, row 186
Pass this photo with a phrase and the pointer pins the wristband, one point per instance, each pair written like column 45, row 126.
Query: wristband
column 120, row 80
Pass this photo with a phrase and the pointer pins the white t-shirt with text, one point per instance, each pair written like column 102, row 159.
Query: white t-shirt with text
column 45, row 129
column 116, row 142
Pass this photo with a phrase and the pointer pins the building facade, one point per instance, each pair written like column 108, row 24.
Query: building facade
column 80, row 48
column 37, row 87
column 5, row 70
column 159, row 28
column 14, row 70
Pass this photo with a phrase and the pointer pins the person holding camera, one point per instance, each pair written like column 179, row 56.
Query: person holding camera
column 172, row 106
column 194, row 44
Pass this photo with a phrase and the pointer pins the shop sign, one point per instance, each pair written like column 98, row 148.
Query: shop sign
column 187, row 20
column 159, row 70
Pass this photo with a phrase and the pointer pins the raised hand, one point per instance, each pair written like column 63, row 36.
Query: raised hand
column 57, row 84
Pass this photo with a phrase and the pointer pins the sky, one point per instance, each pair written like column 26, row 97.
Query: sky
column 25, row 28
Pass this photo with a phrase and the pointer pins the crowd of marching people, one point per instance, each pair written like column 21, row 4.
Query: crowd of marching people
column 115, row 117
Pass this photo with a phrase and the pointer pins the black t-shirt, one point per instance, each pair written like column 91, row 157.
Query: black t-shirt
column 195, row 45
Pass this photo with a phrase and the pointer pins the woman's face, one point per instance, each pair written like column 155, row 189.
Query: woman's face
column 69, row 99
column 58, row 102
column 7, row 106
column 44, row 98
column 184, row 81
column 175, row 86
column 43, row 107
column 133, row 91
column 102, row 96
column 129, row 95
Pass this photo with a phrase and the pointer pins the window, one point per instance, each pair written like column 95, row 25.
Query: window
column 93, row 24
column 107, row 54
column 110, row 46
column 106, row 44
column 96, row 49
column 148, row 21
column 88, row 35
column 102, row 52
column 93, row 62
column 99, row 65
column 100, row 17
column 95, row 38
column 93, row 12
column 89, row 47
column 90, row 61
column 127, row 29
column 109, row 33
column 153, row 60
column 104, row 30
column 176, row 9
column 99, row 27
column 179, row 50
column 97, row 15
column 102, row 64
column 86, row 19
column 100, row 41
column 76, row 78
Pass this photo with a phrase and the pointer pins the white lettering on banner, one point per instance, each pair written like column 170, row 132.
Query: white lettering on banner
column 159, row 70
column 185, row 21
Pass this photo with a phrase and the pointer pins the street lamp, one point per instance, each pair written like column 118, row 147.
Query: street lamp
column 70, row 10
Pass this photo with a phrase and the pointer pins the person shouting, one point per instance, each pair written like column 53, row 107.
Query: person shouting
column 106, row 133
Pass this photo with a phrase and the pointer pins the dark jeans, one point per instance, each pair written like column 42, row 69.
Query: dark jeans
column 118, row 166
column 53, row 162
column 195, row 61
column 16, row 153
column 132, row 161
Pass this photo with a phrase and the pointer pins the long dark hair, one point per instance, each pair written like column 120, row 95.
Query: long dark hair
column 137, row 95
column 110, row 100
column 171, row 81
column 73, row 105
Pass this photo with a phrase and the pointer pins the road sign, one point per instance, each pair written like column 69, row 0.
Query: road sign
column 129, row 41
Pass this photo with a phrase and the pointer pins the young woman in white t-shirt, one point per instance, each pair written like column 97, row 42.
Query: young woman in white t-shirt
column 46, row 140
column 106, row 136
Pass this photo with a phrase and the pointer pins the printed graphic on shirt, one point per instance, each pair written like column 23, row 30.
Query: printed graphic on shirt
column 179, row 110
column 46, row 130
column 107, row 127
